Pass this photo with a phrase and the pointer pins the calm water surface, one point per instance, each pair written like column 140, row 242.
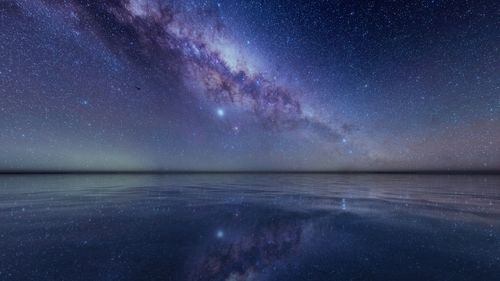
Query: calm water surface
column 250, row 227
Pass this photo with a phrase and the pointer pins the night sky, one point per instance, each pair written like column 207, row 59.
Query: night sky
column 249, row 85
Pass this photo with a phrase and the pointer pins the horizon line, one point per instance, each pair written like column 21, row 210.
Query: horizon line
column 166, row 172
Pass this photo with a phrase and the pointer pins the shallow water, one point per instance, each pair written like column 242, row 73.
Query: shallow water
column 250, row 227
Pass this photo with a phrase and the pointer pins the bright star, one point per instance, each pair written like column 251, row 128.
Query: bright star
column 220, row 112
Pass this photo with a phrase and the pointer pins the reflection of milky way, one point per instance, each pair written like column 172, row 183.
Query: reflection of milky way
column 246, row 256
column 212, row 65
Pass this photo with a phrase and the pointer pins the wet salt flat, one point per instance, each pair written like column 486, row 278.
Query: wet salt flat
column 249, row 227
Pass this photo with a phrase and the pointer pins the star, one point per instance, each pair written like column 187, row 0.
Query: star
column 220, row 112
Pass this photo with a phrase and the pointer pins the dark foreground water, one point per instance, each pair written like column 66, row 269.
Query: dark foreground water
column 250, row 227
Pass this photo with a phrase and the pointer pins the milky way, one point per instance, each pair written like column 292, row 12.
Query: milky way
column 248, row 85
column 211, row 63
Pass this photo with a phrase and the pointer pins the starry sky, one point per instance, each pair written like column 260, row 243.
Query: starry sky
column 296, row 85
